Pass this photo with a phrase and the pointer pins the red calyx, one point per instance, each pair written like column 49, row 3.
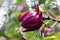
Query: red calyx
column 32, row 21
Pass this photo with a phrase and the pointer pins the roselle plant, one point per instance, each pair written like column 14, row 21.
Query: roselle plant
column 34, row 20
column 35, row 24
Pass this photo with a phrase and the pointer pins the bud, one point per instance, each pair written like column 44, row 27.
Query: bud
column 32, row 21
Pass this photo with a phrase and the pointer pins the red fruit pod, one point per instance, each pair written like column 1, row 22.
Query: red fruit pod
column 23, row 16
column 32, row 20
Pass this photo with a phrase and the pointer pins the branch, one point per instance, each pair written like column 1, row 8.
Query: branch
column 50, row 19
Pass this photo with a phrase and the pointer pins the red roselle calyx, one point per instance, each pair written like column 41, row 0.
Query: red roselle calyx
column 32, row 21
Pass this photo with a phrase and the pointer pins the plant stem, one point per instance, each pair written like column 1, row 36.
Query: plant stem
column 50, row 19
column 42, row 36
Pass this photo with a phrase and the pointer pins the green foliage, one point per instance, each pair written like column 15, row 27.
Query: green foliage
column 39, row 38
column 42, row 1
column 11, row 26
column 10, row 31
column 18, row 14
column 16, row 21
column 53, row 37
column 56, row 12
column 10, row 12
column 58, row 17
column 18, row 2
column 2, row 33
column 32, row 35
column 57, row 36
column 48, row 23
column 12, row 35
column 46, row 5
column 48, row 38
column 29, row 34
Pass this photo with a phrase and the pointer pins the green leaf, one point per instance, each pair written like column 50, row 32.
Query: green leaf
column 41, row 1
column 39, row 38
column 46, row 5
column 18, row 2
column 33, row 37
column 10, row 31
column 28, row 34
column 18, row 14
column 55, row 11
column 58, row 17
column 48, row 23
column 16, row 21
column 48, row 38
column 57, row 35
column 2, row 33
column 10, row 12
column 17, row 36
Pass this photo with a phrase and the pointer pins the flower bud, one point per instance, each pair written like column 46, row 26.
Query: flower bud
column 32, row 20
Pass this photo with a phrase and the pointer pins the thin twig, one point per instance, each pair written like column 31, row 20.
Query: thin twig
column 50, row 19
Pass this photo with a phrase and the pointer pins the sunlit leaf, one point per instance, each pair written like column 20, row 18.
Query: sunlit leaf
column 39, row 38
column 10, row 31
column 48, row 23
column 18, row 2
column 33, row 37
column 18, row 14
column 29, row 34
